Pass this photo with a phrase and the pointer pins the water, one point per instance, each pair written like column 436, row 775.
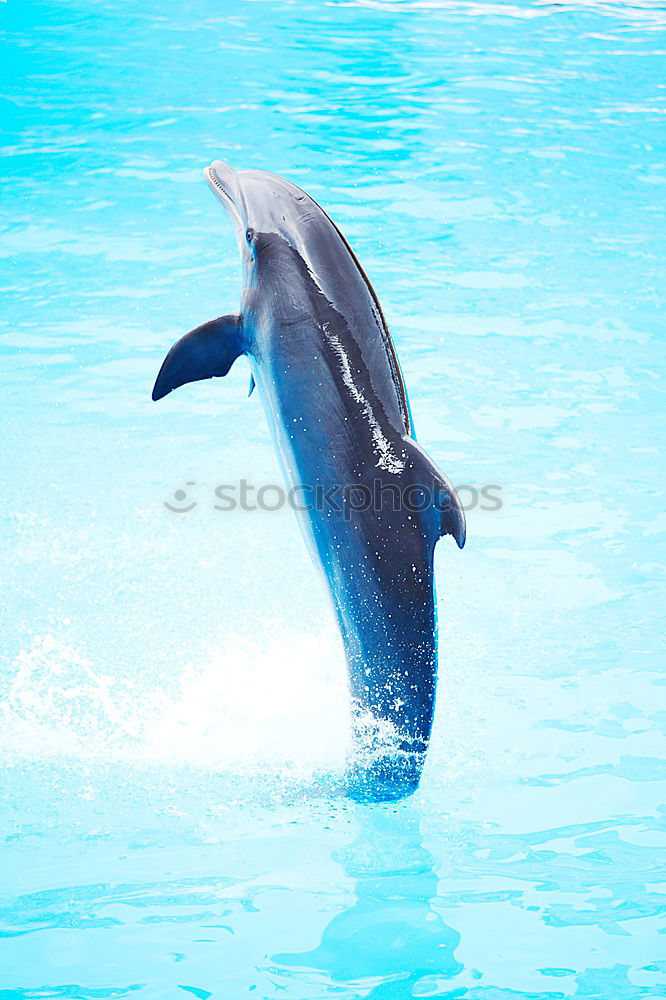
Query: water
column 174, row 712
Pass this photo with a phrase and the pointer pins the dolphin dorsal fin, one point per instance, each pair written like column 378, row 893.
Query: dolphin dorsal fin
column 206, row 352
column 449, row 515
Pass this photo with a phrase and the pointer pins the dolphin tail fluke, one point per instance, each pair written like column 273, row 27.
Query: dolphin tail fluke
column 450, row 516
column 206, row 352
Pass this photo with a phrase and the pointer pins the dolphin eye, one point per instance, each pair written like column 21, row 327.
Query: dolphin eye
column 249, row 235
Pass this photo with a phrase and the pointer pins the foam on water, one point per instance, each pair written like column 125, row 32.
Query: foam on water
column 278, row 704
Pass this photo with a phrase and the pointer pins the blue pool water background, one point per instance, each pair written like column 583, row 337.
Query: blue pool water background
column 173, row 705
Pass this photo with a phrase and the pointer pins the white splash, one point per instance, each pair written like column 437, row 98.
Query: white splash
column 279, row 703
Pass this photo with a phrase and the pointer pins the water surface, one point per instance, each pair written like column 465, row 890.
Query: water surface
column 174, row 710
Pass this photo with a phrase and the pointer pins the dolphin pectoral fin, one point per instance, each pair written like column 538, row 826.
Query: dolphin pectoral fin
column 446, row 503
column 206, row 352
column 252, row 385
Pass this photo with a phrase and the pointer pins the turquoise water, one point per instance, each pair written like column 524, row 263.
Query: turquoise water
column 174, row 712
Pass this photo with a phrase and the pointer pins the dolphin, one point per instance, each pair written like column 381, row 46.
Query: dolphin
column 372, row 503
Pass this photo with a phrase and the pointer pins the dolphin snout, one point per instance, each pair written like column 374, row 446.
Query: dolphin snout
column 222, row 179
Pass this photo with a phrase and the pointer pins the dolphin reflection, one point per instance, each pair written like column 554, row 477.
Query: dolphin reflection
column 391, row 937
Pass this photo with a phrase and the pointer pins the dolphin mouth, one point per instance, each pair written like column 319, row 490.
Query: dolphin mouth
column 221, row 179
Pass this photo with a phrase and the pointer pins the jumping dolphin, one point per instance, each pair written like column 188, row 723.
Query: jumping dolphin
column 329, row 379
